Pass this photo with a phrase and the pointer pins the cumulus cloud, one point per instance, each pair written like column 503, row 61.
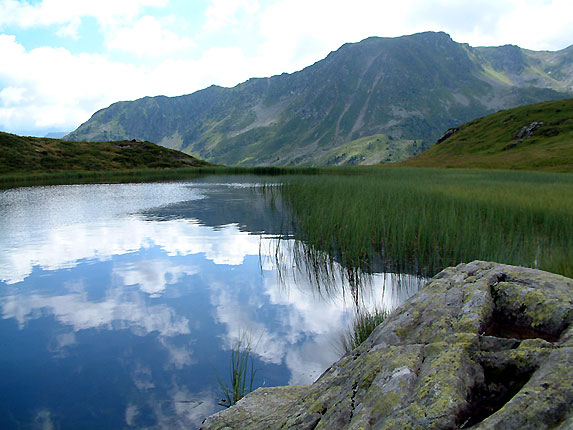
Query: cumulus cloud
column 225, row 43
column 153, row 276
column 147, row 36
column 49, row 12
column 118, row 309
column 551, row 22
column 97, row 222
column 63, row 247
column 223, row 13
column 71, row 29
column 63, row 90
column 297, row 33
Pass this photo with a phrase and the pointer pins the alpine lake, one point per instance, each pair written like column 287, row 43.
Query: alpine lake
column 122, row 304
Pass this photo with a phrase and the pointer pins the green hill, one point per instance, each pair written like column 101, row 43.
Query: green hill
column 408, row 88
column 535, row 137
column 20, row 154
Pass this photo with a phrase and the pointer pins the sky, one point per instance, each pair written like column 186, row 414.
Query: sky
column 62, row 60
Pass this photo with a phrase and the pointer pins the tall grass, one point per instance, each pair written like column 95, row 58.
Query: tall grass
column 241, row 375
column 140, row 175
column 419, row 221
column 362, row 326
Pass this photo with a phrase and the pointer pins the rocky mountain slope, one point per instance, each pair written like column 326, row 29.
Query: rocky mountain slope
column 408, row 90
column 535, row 137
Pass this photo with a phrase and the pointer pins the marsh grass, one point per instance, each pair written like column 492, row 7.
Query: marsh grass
column 419, row 221
column 242, row 373
column 23, row 179
column 362, row 326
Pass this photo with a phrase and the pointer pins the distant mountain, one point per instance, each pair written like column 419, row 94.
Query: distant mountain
column 406, row 90
column 25, row 155
column 56, row 134
column 535, row 137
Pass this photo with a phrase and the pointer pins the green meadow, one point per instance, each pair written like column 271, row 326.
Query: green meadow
column 419, row 221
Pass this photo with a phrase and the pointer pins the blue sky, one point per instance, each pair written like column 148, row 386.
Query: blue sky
column 62, row 60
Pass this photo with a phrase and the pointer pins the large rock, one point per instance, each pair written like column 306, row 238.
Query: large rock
column 482, row 345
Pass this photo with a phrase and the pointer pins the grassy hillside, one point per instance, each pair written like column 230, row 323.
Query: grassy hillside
column 533, row 137
column 27, row 155
column 375, row 149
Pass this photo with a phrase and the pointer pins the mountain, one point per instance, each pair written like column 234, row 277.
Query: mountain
column 407, row 90
column 20, row 154
column 535, row 137
column 56, row 134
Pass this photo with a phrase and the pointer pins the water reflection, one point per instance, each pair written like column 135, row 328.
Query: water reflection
column 118, row 301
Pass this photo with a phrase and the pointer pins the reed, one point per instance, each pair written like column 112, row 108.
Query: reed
column 418, row 221
column 362, row 326
column 22, row 179
column 242, row 373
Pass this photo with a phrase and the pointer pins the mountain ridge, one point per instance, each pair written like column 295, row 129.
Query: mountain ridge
column 409, row 88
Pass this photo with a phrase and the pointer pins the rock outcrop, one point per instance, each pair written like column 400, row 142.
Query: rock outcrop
column 482, row 345
column 529, row 130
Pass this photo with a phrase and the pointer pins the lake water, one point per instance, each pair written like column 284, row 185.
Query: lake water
column 120, row 304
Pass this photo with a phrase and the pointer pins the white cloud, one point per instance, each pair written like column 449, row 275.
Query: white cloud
column 297, row 33
column 147, row 36
column 62, row 248
column 223, row 13
column 63, row 90
column 179, row 356
column 153, row 276
column 49, row 12
column 76, row 310
column 234, row 40
column 12, row 96
column 219, row 65
column 61, row 240
column 70, row 29
column 535, row 24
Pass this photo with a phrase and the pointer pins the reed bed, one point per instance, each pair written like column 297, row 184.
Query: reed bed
column 11, row 180
column 418, row 221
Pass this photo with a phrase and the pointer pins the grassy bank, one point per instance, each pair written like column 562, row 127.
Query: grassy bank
column 24, row 179
column 419, row 221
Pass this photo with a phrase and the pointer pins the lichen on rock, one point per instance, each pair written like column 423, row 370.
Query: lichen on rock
column 482, row 345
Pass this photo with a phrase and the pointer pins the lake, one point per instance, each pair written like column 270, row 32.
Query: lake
column 120, row 304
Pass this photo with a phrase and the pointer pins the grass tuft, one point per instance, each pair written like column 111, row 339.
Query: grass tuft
column 242, row 373
column 362, row 326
